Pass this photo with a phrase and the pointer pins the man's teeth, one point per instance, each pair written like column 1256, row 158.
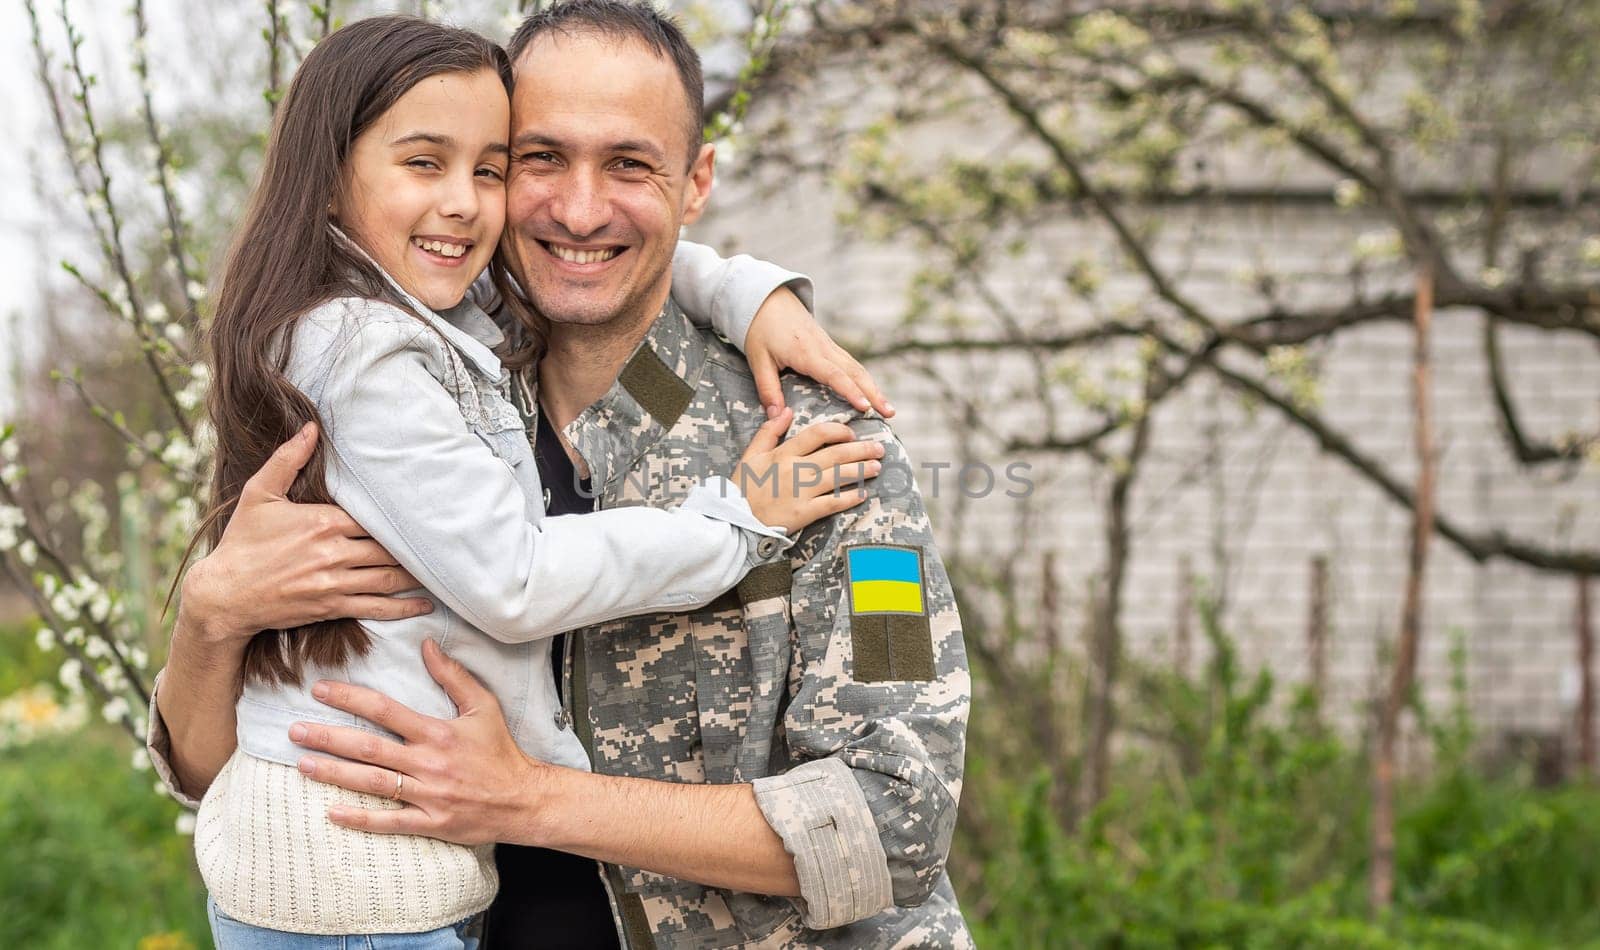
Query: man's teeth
column 575, row 256
column 441, row 248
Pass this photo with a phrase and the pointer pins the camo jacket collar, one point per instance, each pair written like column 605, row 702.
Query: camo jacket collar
column 646, row 400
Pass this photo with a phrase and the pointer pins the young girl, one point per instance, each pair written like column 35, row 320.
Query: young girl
column 346, row 301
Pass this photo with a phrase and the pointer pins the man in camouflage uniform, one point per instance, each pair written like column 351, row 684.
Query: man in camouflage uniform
column 827, row 695
column 832, row 683
column 849, row 722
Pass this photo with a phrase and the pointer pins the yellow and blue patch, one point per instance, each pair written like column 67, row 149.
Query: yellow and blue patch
column 890, row 637
column 885, row 579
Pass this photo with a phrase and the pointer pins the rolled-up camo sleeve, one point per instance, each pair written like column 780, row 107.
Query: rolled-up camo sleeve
column 158, row 744
column 877, row 723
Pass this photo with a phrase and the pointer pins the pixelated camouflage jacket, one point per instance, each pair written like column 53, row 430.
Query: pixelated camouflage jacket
column 833, row 678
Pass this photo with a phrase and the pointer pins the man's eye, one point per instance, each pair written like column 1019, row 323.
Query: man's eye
column 537, row 157
column 631, row 165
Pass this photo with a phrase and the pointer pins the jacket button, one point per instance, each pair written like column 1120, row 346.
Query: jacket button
column 766, row 548
column 563, row 720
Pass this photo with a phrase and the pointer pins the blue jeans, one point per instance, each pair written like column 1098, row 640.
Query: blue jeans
column 230, row 934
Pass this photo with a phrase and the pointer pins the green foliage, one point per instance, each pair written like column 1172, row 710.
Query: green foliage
column 1495, row 852
column 1244, row 824
column 91, row 860
column 21, row 662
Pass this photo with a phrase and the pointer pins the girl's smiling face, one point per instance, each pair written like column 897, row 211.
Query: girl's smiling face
column 423, row 191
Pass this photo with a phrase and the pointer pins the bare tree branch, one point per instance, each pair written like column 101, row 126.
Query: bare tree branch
column 1105, row 655
column 1480, row 547
column 176, row 227
column 1526, row 451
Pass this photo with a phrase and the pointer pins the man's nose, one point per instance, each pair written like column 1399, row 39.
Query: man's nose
column 581, row 204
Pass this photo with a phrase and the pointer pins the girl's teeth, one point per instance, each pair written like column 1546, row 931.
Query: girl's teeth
column 441, row 248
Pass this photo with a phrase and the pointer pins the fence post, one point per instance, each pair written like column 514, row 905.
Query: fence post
column 1586, row 699
column 1049, row 604
column 1182, row 631
column 1317, row 627
column 1403, row 677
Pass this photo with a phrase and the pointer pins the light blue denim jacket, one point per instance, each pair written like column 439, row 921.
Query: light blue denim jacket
column 429, row 455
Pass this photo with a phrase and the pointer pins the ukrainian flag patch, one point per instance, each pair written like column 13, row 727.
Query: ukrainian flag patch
column 885, row 579
column 890, row 637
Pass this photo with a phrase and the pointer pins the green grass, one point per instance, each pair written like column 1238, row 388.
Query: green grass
column 92, row 858
column 1258, row 841
column 1246, row 828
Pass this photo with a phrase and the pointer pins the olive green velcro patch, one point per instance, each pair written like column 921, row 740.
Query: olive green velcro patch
column 910, row 646
column 763, row 581
column 766, row 580
column 869, row 647
column 657, row 389
column 891, row 647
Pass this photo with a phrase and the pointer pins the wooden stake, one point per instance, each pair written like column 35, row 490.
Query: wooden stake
column 1182, row 628
column 1049, row 603
column 1587, row 752
column 1317, row 627
column 1401, row 683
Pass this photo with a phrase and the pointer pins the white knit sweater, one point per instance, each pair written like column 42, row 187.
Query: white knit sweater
column 270, row 857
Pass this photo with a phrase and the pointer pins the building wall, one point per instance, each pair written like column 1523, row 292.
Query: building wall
column 1245, row 498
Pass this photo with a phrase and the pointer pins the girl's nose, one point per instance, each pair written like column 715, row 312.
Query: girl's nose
column 460, row 199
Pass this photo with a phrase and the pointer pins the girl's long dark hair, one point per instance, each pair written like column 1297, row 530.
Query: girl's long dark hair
column 284, row 260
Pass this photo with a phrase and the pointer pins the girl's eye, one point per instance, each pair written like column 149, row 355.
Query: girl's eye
column 423, row 163
column 489, row 171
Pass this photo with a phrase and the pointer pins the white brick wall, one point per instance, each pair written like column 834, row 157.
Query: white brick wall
column 1282, row 500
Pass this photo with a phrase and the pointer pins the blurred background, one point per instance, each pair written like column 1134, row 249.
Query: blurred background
column 1249, row 350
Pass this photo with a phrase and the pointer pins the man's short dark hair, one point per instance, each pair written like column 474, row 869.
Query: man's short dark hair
column 624, row 20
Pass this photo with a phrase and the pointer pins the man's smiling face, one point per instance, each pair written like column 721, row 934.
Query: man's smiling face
column 601, row 177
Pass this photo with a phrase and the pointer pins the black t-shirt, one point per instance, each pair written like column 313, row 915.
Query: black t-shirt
column 551, row 900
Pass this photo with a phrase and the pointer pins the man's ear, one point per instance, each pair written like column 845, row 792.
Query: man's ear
column 701, row 175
